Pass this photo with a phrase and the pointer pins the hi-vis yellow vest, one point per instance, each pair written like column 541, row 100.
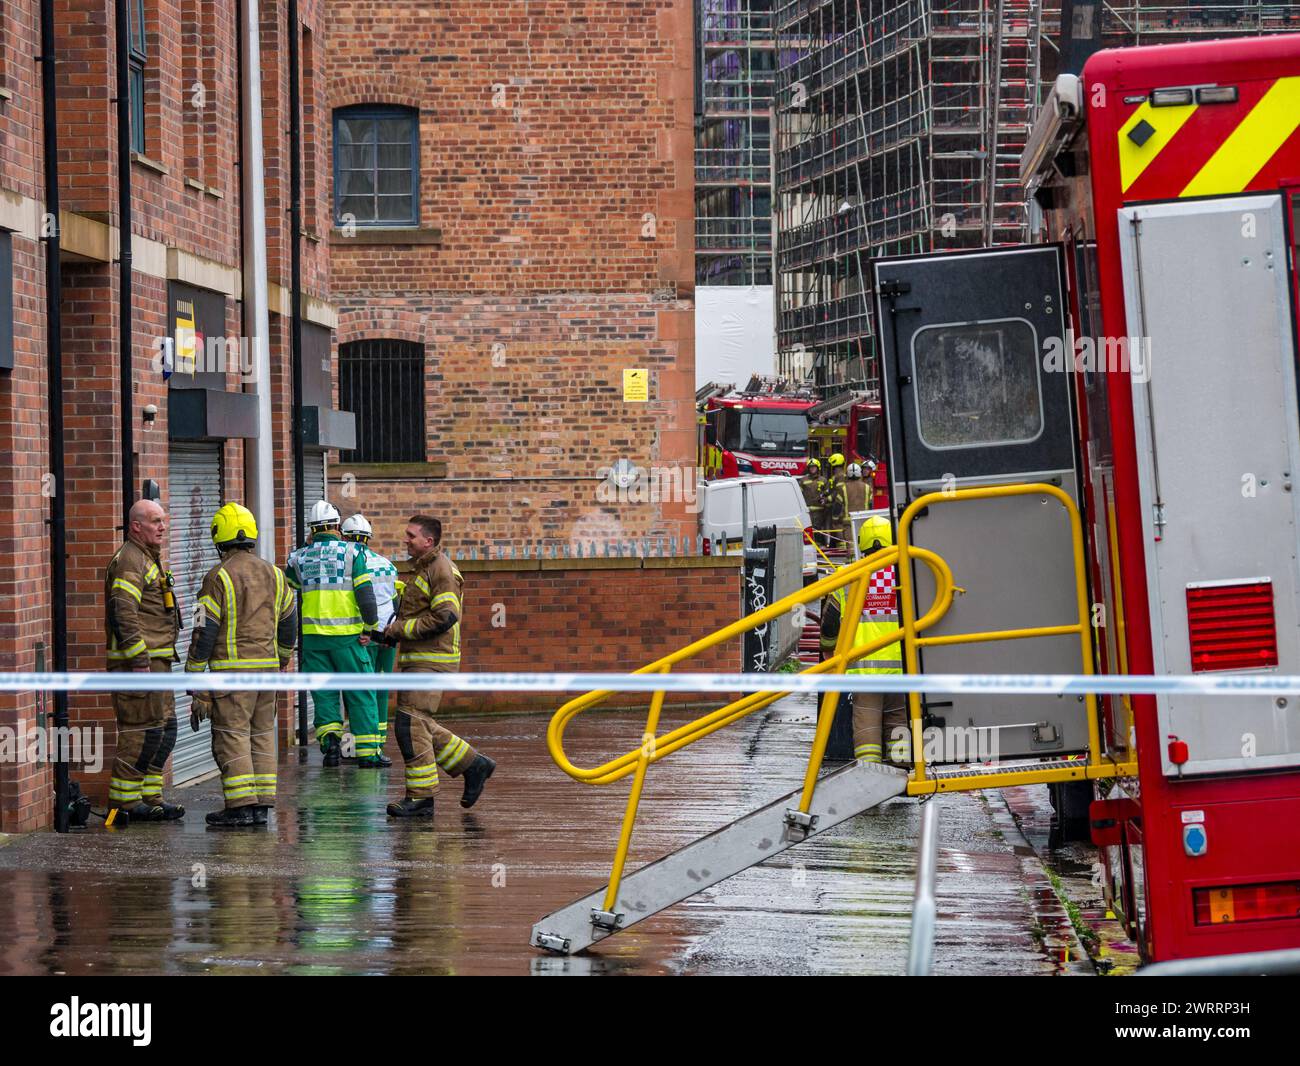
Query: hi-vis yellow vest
column 879, row 616
column 328, row 571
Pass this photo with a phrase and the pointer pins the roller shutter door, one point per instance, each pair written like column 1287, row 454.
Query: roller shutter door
column 313, row 481
column 194, row 472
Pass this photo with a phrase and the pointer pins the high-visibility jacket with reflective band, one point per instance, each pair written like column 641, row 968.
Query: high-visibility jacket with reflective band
column 249, row 598
column 837, row 500
column 383, row 576
column 814, row 492
column 328, row 572
column 431, row 599
column 879, row 616
column 137, row 620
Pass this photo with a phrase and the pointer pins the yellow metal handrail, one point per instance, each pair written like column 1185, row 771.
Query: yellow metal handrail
column 653, row 748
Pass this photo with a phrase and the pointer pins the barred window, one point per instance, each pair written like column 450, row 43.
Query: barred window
column 376, row 166
column 382, row 383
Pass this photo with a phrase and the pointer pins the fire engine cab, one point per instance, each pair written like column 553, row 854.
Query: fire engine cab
column 1169, row 180
column 761, row 429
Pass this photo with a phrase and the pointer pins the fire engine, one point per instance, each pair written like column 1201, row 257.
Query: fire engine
column 762, row 429
column 853, row 425
column 1169, row 182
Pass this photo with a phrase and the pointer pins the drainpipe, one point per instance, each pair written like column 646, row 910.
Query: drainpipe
column 125, row 338
column 295, row 319
column 54, row 402
column 259, row 488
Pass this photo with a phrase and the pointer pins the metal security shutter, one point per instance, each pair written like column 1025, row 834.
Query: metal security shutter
column 313, row 482
column 194, row 494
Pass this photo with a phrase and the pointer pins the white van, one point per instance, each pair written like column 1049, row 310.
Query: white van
column 768, row 500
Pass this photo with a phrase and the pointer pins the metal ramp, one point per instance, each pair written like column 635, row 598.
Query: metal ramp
column 724, row 853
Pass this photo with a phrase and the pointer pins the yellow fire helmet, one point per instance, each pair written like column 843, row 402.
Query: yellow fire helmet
column 875, row 529
column 837, row 459
column 233, row 526
column 814, row 466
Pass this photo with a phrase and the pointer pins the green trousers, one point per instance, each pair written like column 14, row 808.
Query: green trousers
column 342, row 655
column 382, row 658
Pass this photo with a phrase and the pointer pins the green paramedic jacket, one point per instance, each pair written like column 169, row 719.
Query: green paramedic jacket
column 338, row 599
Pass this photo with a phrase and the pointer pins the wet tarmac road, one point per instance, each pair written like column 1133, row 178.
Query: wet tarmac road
column 335, row 887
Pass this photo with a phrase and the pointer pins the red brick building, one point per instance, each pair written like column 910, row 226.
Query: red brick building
column 538, row 244
column 189, row 430
column 531, row 242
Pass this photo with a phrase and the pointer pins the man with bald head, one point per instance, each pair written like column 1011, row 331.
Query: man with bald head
column 141, row 624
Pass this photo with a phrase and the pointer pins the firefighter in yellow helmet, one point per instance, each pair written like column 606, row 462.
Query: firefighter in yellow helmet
column 879, row 616
column 247, row 622
column 813, row 488
column 837, row 503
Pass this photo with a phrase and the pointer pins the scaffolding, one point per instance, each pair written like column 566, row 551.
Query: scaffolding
column 899, row 126
column 736, row 68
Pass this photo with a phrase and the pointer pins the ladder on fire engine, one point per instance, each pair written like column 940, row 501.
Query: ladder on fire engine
column 823, row 802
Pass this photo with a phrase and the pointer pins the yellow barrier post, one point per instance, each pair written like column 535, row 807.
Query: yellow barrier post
column 633, row 801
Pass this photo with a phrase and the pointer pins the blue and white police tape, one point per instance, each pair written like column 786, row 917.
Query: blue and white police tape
column 1001, row 684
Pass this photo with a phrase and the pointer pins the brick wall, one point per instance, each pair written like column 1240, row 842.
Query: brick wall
column 554, row 250
column 593, row 614
column 24, row 590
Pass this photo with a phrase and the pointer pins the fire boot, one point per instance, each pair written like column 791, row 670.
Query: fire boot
column 411, row 808
column 231, row 818
column 162, row 811
column 137, row 812
column 333, row 751
column 260, row 815
column 476, row 775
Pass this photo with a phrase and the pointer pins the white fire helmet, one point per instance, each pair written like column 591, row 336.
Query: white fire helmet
column 355, row 526
column 323, row 513
column 855, row 470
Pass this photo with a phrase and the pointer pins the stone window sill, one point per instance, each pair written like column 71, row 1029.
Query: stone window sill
column 149, row 164
column 384, row 235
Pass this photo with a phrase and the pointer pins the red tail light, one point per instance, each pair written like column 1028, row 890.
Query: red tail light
column 1232, row 626
column 1246, row 903
column 808, row 535
column 708, row 546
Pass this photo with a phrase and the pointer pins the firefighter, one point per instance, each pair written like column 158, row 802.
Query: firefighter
column 428, row 626
column 879, row 616
column 856, row 490
column 338, row 612
column 141, row 627
column 837, row 501
column 814, row 490
column 383, row 652
column 247, row 621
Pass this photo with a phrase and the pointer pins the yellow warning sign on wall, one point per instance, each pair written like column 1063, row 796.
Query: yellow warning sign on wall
column 636, row 386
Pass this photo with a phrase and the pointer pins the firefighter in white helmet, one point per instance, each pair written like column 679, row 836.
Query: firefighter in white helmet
column 338, row 614
column 383, row 652
column 879, row 616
